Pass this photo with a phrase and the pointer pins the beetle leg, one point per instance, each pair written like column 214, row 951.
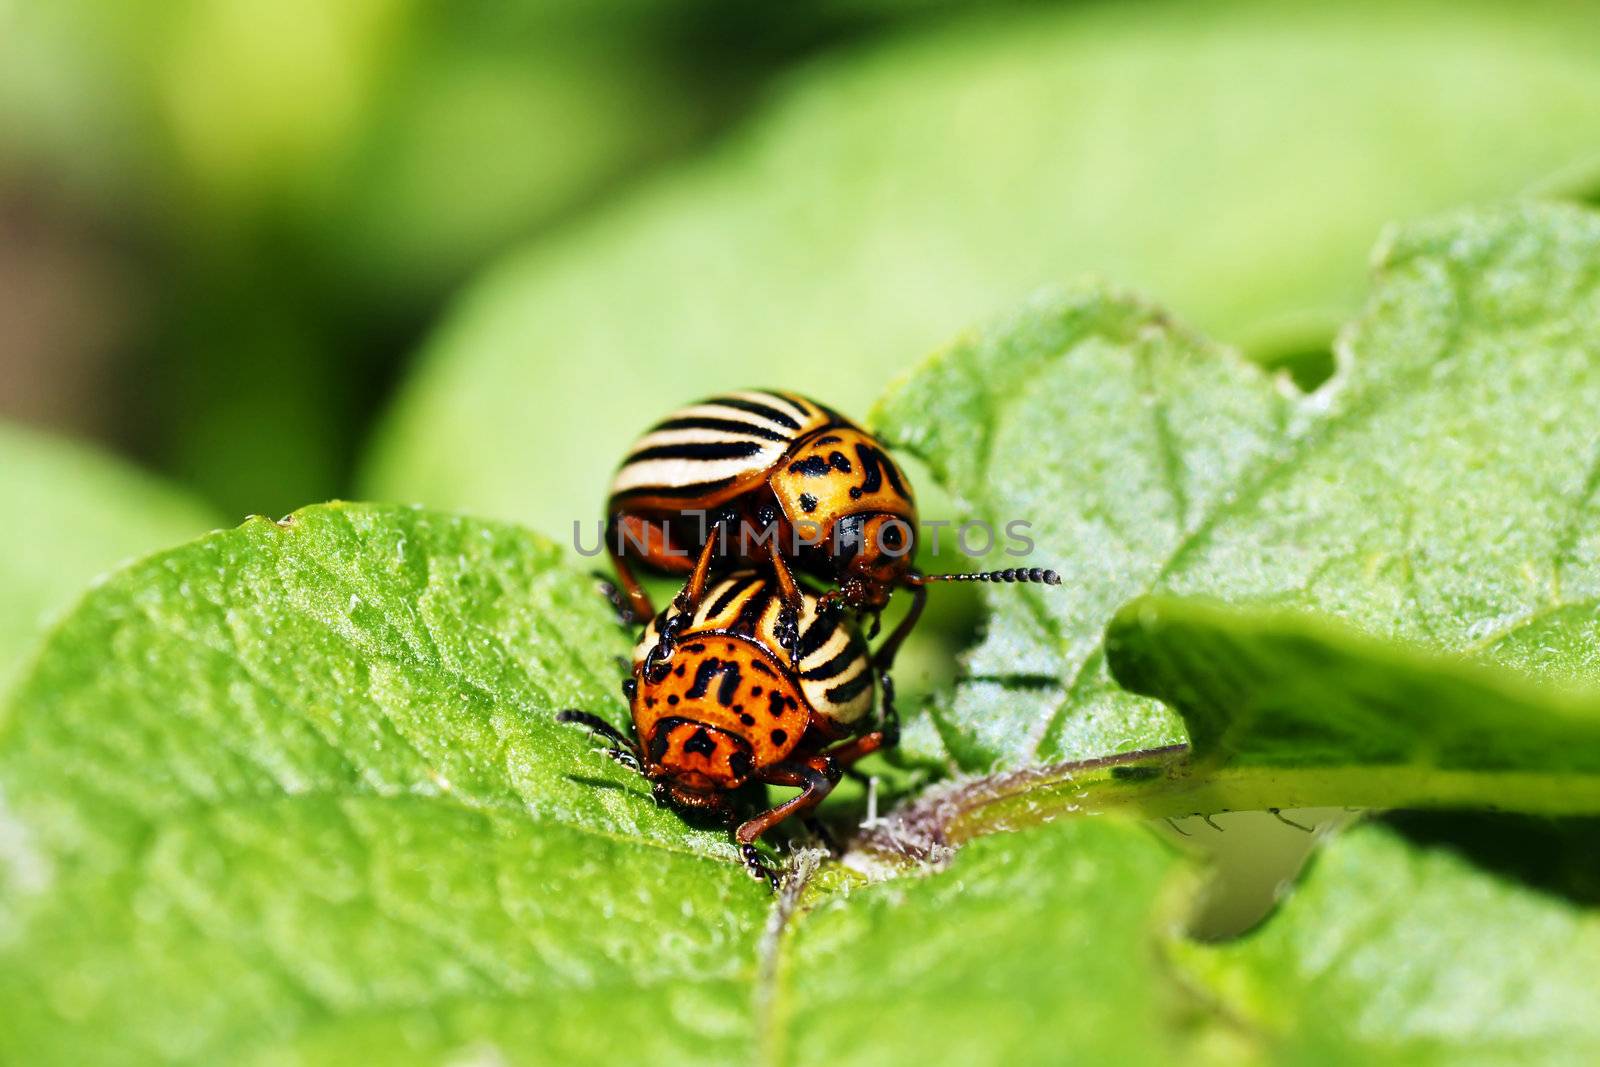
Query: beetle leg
column 684, row 606
column 637, row 607
column 884, row 658
column 815, row 782
column 757, row 866
column 848, row 753
column 793, row 600
column 890, row 715
column 689, row 598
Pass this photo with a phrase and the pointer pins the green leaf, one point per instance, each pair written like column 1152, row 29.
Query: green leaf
column 1027, row 945
column 1285, row 712
column 297, row 777
column 72, row 514
column 1397, row 954
column 1437, row 492
column 1235, row 159
column 295, row 793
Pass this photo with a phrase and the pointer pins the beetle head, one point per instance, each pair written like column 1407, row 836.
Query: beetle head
column 872, row 552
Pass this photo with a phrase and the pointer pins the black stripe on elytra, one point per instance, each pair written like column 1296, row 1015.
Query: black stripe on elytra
column 729, row 595
column 845, row 692
column 693, row 489
column 702, row 450
column 751, row 613
column 816, row 635
column 834, row 667
column 706, row 422
column 803, row 408
column 771, row 414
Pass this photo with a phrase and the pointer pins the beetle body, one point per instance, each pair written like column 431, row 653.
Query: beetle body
column 737, row 692
column 759, row 478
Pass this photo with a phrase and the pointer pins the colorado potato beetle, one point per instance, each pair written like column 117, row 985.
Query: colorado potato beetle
column 719, row 711
column 766, row 478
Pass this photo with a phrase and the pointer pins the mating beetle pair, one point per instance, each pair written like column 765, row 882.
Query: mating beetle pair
column 754, row 679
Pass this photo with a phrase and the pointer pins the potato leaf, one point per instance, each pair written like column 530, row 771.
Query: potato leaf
column 1438, row 492
column 71, row 515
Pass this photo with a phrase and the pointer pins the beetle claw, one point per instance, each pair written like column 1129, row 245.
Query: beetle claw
column 757, row 867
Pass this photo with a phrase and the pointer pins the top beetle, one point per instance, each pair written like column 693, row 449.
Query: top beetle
column 768, row 478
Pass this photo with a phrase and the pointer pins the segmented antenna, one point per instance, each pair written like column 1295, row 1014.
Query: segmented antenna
column 1036, row 575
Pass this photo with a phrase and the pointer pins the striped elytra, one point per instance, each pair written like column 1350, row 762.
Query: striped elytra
column 794, row 485
column 734, row 688
column 707, row 452
column 737, row 634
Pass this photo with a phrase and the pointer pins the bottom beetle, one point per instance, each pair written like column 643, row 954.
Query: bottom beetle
column 720, row 709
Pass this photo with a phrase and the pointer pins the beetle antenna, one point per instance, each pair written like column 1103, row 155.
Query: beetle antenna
column 1036, row 575
column 595, row 724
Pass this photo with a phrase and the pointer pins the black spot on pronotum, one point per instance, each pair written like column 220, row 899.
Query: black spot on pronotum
column 700, row 744
column 725, row 671
column 811, row 467
column 776, row 702
column 838, row 462
column 672, row 698
column 747, row 719
column 780, row 736
column 808, row 503
column 730, row 685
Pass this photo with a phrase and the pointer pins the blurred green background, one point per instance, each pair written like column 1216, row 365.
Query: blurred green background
column 459, row 253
